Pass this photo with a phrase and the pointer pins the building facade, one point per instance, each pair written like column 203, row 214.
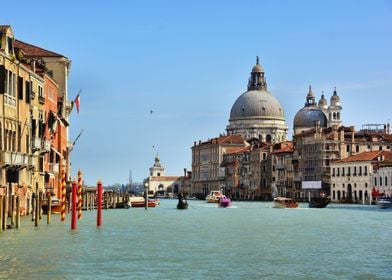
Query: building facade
column 29, row 111
column 354, row 178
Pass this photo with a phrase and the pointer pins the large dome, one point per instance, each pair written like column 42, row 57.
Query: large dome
column 256, row 104
column 256, row 112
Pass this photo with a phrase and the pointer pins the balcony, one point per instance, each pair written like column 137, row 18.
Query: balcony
column 43, row 146
column 14, row 159
column 54, row 168
column 41, row 100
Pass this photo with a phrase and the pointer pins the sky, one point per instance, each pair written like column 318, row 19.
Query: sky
column 188, row 61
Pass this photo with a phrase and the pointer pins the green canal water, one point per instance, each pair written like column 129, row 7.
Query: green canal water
column 251, row 240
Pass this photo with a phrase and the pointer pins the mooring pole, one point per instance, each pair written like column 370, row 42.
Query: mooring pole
column 63, row 196
column 74, row 197
column 49, row 203
column 99, row 203
column 36, row 217
column 79, row 194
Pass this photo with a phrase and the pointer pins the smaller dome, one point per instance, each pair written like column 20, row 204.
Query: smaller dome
column 335, row 99
column 323, row 102
column 257, row 69
column 307, row 116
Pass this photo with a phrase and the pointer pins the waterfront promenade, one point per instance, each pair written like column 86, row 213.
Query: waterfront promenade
column 251, row 240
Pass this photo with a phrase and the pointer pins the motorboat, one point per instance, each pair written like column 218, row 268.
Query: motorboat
column 55, row 205
column 224, row 201
column 214, row 197
column 285, row 202
column 139, row 201
column 384, row 202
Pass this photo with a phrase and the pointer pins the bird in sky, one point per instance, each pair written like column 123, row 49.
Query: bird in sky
column 151, row 111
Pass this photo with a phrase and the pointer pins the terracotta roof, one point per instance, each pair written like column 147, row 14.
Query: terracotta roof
column 228, row 139
column 34, row 51
column 368, row 156
column 235, row 150
column 283, row 147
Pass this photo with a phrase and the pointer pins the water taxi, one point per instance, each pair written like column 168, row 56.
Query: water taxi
column 285, row 202
column 214, row 197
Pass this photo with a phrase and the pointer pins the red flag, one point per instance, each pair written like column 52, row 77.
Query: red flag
column 77, row 102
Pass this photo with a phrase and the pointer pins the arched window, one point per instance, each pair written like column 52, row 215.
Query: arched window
column 268, row 138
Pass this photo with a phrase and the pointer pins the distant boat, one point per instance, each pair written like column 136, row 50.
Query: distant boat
column 384, row 202
column 285, row 202
column 182, row 203
column 55, row 205
column 139, row 201
column 214, row 197
column 319, row 202
column 224, row 201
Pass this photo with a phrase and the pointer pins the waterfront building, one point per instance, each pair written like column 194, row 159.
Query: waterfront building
column 234, row 171
column 316, row 148
column 382, row 179
column 56, row 67
column 159, row 184
column 352, row 178
column 257, row 113
column 207, row 172
column 33, row 133
column 282, row 175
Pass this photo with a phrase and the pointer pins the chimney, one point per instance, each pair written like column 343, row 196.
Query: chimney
column 184, row 172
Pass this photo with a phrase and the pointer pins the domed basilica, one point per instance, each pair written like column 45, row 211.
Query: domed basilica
column 257, row 113
column 319, row 114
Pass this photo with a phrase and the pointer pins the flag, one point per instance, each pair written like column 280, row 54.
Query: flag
column 77, row 103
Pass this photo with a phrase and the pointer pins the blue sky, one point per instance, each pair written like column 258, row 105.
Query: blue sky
column 188, row 61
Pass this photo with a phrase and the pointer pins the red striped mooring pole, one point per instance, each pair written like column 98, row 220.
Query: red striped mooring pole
column 63, row 196
column 74, row 198
column 99, row 203
column 79, row 194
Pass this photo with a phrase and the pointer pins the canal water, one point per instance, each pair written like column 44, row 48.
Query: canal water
column 250, row 240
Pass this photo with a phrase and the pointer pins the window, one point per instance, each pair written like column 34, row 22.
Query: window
column 357, row 148
column 10, row 90
column 342, row 171
column 348, row 171
column 355, row 171
column 380, row 181
column 380, row 148
column 333, row 172
column 360, row 171
column 375, row 181
column 365, row 171
column 386, row 181
column 347, row 148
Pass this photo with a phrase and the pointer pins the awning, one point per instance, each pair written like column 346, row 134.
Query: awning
column 57, row 152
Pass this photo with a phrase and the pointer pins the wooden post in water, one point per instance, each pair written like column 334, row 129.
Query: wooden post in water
column 36, row 205
column 12, row 209
column 99, row 203
column 40, row 204
column 17, row 220
column 1, row 213
column 74, row 198
column 48, row 217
